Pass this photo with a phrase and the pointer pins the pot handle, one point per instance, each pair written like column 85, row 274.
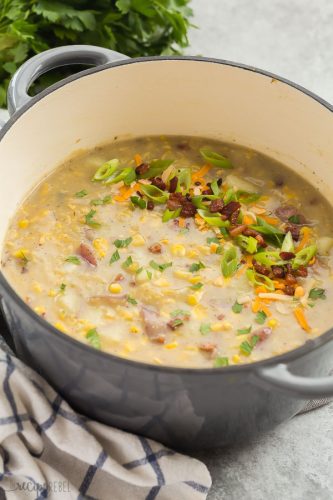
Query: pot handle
column 51, row 59
column 281, row 378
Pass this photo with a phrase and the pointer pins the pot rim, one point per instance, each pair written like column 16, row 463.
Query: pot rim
column 309, row 346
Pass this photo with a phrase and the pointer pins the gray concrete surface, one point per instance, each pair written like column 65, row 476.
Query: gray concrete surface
column 292, row 38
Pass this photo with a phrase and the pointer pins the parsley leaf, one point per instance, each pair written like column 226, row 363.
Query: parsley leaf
column 130, row 300
column 114, row 257
column 261, row 317
column 180, row 313
column 247, row 346
column 205, row 328
column 317, row 293
column 196, row 267
column 123, row 243
column 93, row 338
column 159, row 267
column 63, row 287
column 196, row 286
column 89, row 219
column 138, row 202
column 127, row 262
column 73, row 260
column 221, row 361
column 81, row 194
column 101, row 201
column 237, row 308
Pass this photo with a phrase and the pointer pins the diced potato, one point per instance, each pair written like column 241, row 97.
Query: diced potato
column 138, row 240
column 178, row 250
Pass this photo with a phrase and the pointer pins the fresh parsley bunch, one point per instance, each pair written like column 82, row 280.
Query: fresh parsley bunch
column 133, row 27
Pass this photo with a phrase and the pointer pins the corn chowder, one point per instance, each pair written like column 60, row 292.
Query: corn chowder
column 175, row 251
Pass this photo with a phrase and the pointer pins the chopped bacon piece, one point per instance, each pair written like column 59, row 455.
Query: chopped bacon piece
column 236, row 230
column 157, row 181
column 176, row 200
column 173, row 184
column 294, row 229
column 216, row 206
column 289, row 290
column 119, row 277
column 302, row 272
column 287, row 255
column 142, row 169
column 174, row 323
column 188, row 210
column 262, row 333
column 155, row 248
column 260, row 268
column 230, row 208
column 87, row 254
column 150, row 205
column 207, row 347
column 278, row 272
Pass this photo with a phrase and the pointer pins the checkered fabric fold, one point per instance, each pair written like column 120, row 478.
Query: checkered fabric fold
column 49, row 451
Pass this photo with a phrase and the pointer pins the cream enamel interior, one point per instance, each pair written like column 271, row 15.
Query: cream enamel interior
column 181, row 97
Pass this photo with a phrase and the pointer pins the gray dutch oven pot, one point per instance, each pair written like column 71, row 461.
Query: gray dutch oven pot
column 183, row 408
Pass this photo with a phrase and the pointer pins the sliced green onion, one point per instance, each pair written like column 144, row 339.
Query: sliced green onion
column 215, row 188
column 288, row 243
column 131, row 300
column 196, row 286
column 246, row 197
column 317, row 293
column 261, row 317
column 89, row 219
column 230, row 195
column 123, row 243
column 114, row 257
column 154, row 193
column 244, row 331
column 159, row 267
column 215, row 158
column 269, row 259
column 170, row 214
column 304, row 256
column 196, row 266
column 184, row 179
column 258, row 279
column 205, row 328
column 198, row 201
column 213, row 220
column 73, row 260
column 249, row 243
column 247, row 346
column 138, row 202
column 127, row 262
column 230, row 262
column 81, row 194
column 122, row 175
column 106, row 170
column 237, row 308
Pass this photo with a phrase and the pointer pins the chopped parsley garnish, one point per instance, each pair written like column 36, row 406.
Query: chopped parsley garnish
column 159, row 267
column 114, row 257
column 237, row 308
column 261, row 317
column 197, row 286
column 175, row 323
column 81, row 194
column 247, row 346
column 317, row 293
column 184, row 230
column 294, row 219
column 138, row 202
column 89, row 219
column 130, row 300
column 93, row 338
column 196, row 267
column 63, row 287
column 138, row 271
column 180, row 313
column 244, row 331
column 73, row 260
column 101, row 201
column 214, row 239
column 123, row 243
column 127, row 262
column 221, row 361
column 205, row 328
column 149, row 274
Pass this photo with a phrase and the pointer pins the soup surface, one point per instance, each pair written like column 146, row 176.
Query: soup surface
column 175, row 251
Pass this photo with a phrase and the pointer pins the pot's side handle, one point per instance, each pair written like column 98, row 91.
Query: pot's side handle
column 51, row 59
column 304, row 387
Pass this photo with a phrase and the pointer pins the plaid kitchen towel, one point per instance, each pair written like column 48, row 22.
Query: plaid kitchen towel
column 49, row 451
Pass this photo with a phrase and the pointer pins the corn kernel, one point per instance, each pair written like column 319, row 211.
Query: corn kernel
column 115, row 288
column 171, row 345
column 195, row 279
column 36, row 287
column 132, row 268
column 192, row 254
column 178, row 250
column 199, row 312
column 134, row 329
column 23, row 223
column 128, row 347
column 236, row 359
column 162, row 282
column 138, row 240
column 184, row 275
column 157, row 361
column 60, row 327
column 101, row 246
column 40, row 310
column 192, row 299
column 52, row 292
column 164, row 241
column 21, row 253
column 217, row 327
column 272, row 323
column 299, row 291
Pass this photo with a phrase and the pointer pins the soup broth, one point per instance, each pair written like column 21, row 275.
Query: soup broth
column 175, row 251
